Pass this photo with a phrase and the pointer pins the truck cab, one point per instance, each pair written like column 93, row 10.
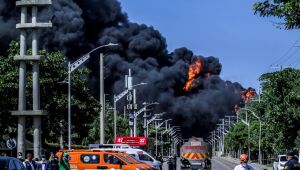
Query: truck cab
column 194, row 154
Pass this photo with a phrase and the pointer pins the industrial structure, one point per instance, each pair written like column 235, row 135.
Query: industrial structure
column 29, row 26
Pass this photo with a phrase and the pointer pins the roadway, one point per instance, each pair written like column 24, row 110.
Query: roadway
column 217, row 164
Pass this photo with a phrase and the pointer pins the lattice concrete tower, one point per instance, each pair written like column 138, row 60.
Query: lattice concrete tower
column 25, row 27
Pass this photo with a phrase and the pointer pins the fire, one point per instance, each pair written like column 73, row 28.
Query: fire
column 194, row 71
column 247, row 94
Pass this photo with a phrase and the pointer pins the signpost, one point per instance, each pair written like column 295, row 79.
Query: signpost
column 131, row 141
column 11, row 144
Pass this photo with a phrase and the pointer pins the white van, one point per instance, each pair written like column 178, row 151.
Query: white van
column 138, row 154
column 144, row 157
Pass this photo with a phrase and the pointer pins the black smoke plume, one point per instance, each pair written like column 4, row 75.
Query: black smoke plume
column 79, row 26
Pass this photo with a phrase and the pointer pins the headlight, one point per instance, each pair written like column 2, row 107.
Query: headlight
column 281, row 164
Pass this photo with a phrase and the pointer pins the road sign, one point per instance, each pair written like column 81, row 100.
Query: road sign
column 11, row 143
column 132, row 141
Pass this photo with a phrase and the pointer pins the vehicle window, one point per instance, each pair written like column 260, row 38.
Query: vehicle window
column 283, row 158
column 144, row 157
column 90, row 158
column 111, row 159
column 130, row 158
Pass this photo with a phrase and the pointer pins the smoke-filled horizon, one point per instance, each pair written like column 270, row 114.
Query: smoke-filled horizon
column 79, row 26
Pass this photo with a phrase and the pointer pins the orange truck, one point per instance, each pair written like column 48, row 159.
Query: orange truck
column 87, row 159
column 194, row 154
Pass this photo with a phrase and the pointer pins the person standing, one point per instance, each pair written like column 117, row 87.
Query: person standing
column 243, row 163
column 20, row 157
column 29, row 163
column 64, row 162
column 44, row 163
column 53, row 162
column 291, row 161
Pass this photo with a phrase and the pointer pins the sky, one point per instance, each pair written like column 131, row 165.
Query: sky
column 247, row 45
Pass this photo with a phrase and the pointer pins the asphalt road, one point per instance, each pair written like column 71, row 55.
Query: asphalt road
column 217, row 164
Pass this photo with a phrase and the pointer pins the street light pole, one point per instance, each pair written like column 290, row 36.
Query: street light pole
column 115, row 117
column 72, row 67
column 153, row 119
column 136, row 114
column 101, row 83
column 156, row 138
column 69, row 106
column 259, row 143
column 156, row 128
column 260, row 131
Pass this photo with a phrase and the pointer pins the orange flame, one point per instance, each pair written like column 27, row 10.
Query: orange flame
column 247, row 94
column 194, row 71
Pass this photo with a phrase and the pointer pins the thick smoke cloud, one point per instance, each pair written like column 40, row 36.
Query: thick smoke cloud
column 79, row 26
column 8, row 20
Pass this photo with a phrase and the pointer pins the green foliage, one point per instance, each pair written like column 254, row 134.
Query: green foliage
column 279, row 111
column 94, row 134
column 53, row 97
column 288, row 10
column 281, row 97
column 237, row 137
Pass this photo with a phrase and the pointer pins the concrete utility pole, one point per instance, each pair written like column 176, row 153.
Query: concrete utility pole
column 116, row 99
column 35, row 59
column 130, row 104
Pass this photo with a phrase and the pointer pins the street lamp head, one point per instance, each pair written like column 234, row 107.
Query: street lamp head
column 159, row 114
column 112, row 44
column 146, row 104
column 140, row 85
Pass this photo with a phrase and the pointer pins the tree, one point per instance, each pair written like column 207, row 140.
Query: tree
column 288, row 10
column 281, row 97
column 122, row 127
column 85, row 107
column 279, row 111
column 237, row 138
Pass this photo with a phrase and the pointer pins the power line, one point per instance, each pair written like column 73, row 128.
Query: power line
column 286, row 53
column 290, row 56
